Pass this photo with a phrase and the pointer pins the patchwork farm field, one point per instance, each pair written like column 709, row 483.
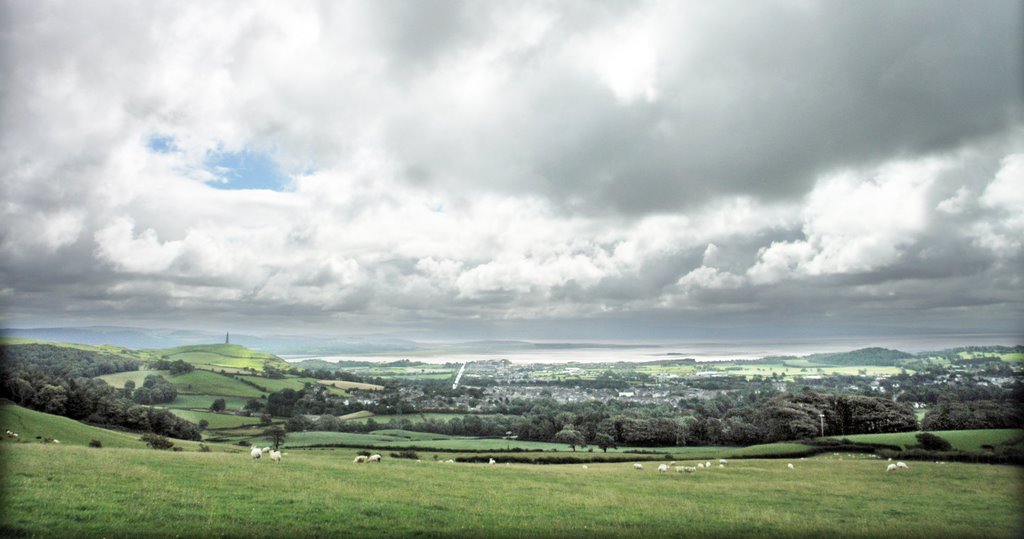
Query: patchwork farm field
column 962, row 440
column 56, row 491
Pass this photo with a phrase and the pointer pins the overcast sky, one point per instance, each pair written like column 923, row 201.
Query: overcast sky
column 578, row 170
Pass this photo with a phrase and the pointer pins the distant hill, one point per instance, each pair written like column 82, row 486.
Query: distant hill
column 222, row 355
column 863, row 356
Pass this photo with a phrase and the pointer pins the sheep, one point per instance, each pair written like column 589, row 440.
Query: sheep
column 689, row 469
column 56, row 441
column 902, row 465
column 585, row 467
column 256, row 453
column 360, row 459
column 663, row 468
column 638, row 466
column 721, row 465
column 723, row 461
column 373, row 458
column 790, row 466
column 890, row 468
column 491, row 462
column 700, row 465
column 707, row 464
column 450, row 461
column 673, row 463
column 275, row 456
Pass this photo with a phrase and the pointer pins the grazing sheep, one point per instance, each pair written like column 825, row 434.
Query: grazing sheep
column 707, row 464
column 902, row 465
column 266, row 450
column 673, row 463
column 689, row 469
column 256, row 453
column 790, row 466
column 890, row 468
column 721, row 465
column 373, row 458
column 491, row 462
column 450, row 461
column 275, row 456
column 360, row 459
column 890, row 459
column 508, row 464
column 723, row 461
column 663, row 468
column 700, row 465
column 585, row 467
column 638, row 466
column 56, row 441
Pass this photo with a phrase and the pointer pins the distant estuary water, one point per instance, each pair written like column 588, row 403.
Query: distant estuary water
column 610, row 352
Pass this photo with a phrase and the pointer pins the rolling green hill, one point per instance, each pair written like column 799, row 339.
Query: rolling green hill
column 30, row 424
column 200, row 382
column 962, row 440
column 222, row 355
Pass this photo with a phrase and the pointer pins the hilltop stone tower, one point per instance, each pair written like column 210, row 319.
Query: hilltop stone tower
column 227, row 337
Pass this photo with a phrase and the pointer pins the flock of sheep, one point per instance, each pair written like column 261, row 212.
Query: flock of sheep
column 11, row 434
column 258, row 453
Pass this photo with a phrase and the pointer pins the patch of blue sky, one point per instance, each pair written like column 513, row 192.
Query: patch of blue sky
column 161, row 144
column 246, row 169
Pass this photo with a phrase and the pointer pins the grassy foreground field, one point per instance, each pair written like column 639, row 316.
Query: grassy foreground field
column 57, row 491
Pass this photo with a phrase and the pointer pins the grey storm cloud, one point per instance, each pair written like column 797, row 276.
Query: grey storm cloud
column 622, row 168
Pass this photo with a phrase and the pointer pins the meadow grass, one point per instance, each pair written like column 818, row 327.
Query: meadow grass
column 343, row 384
column 60, row 491
column 274, row 385
column 415, row 418
column 962, row 440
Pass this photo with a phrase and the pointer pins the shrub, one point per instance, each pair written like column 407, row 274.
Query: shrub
column 176, row 448
column 156, row 441
column 244, row 443
column 203, row 448
column 932, row 442
column 95, row 443
column 405, row 455
column 364, row 453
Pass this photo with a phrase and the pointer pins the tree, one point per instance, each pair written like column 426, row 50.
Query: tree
column 156, row 441
column 604, row 441
column 129, row 386
column 932, row 442
column 265, row 419
column 276, row 435
column 570, row 437
column 203, row 424
column 219, row 405
column 296, row 423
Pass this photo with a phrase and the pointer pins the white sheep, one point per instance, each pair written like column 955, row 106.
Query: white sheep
column 673, row 463
column 689, row 469
column 256, row 453
column 360, row 459
column 707, row 464
column 902, row 465
column 890, row 468
column 491, row 462
column 790, row 466
column 723, row 461
column 721, row 465
column 663, row 468
column 585, row 467
column 373, row 458
column 638, row 466
column 275, row 456
column 56, row 441
column 266, row 450
column 450, row 461
column 700, row 465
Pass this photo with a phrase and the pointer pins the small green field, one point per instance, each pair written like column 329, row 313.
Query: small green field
column 203, row 402
column 415, row 418
column 118, row 379
column 342, row 384
column 961, row 440
column 200, row 382
column 61, row 491
column 215, row 420
column 294, row 383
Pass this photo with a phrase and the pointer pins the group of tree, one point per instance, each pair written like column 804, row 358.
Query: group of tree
column 155, row 390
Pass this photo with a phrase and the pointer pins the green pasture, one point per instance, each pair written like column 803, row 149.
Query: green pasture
column 203, row 402
column 200, row 382
column 415, row 418
column 294, row 383
column 118, row 379
column 343, row 384
column 61, row 491
column 223, row 355
column 215, row 420
column 962, row 440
